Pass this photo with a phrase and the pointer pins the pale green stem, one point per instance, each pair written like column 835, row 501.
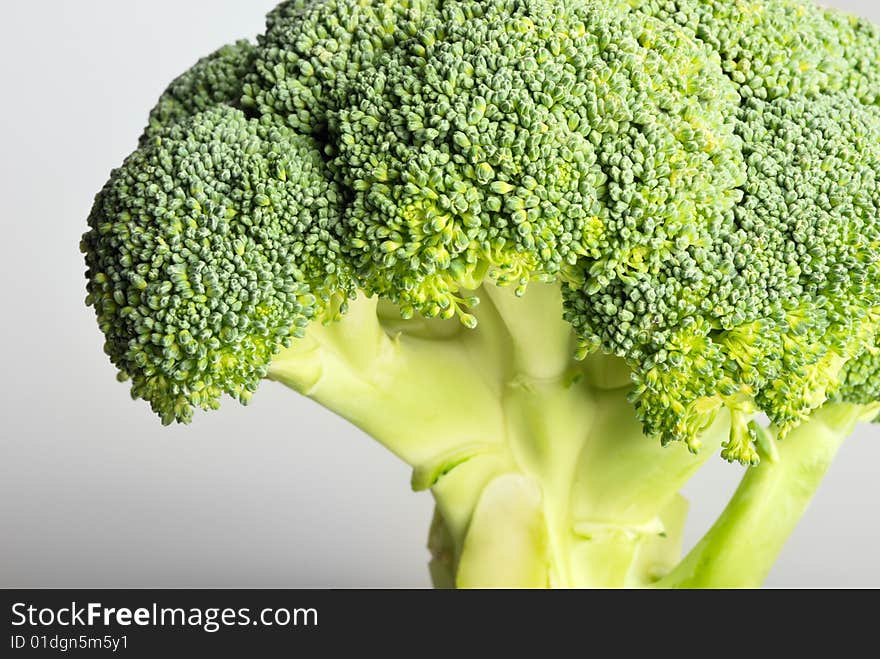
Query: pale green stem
column 542, row 342
column 539, row 468
column 625, row 483
column 607, row 487
column 409, row 393
column 442, row 548
column 741, row 547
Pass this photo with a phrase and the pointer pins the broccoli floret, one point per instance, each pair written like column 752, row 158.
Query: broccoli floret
column 792, row 269
column 552, row 253
column 859, row 40
column 217, row 79
column 510, row 140
column 210, row 248
column 313, row 50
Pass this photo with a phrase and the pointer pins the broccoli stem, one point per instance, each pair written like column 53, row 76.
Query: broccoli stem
column 408, row 392
column 741, row 547
column 540, row 470
column 584, row 499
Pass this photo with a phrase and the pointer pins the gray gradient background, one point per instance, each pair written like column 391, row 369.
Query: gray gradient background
column 94, row 492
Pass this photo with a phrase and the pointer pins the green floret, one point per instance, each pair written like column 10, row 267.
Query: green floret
column 313, row 51
column 214, row 80
column 209, row 249
column 861, row 379
column 513, row 138
column 815, row 195
column 768, row 48
column 778, row 291
column 859, row 44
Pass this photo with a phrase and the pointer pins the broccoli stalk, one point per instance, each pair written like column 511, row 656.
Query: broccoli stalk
column 742, row 545
column 541, row 474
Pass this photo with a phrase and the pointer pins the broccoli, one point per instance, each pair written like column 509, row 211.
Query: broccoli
column 553, row 254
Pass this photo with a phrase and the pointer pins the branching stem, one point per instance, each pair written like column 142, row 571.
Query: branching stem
column 538, row 465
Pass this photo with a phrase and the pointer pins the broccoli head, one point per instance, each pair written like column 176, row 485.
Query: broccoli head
column 552, row 253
